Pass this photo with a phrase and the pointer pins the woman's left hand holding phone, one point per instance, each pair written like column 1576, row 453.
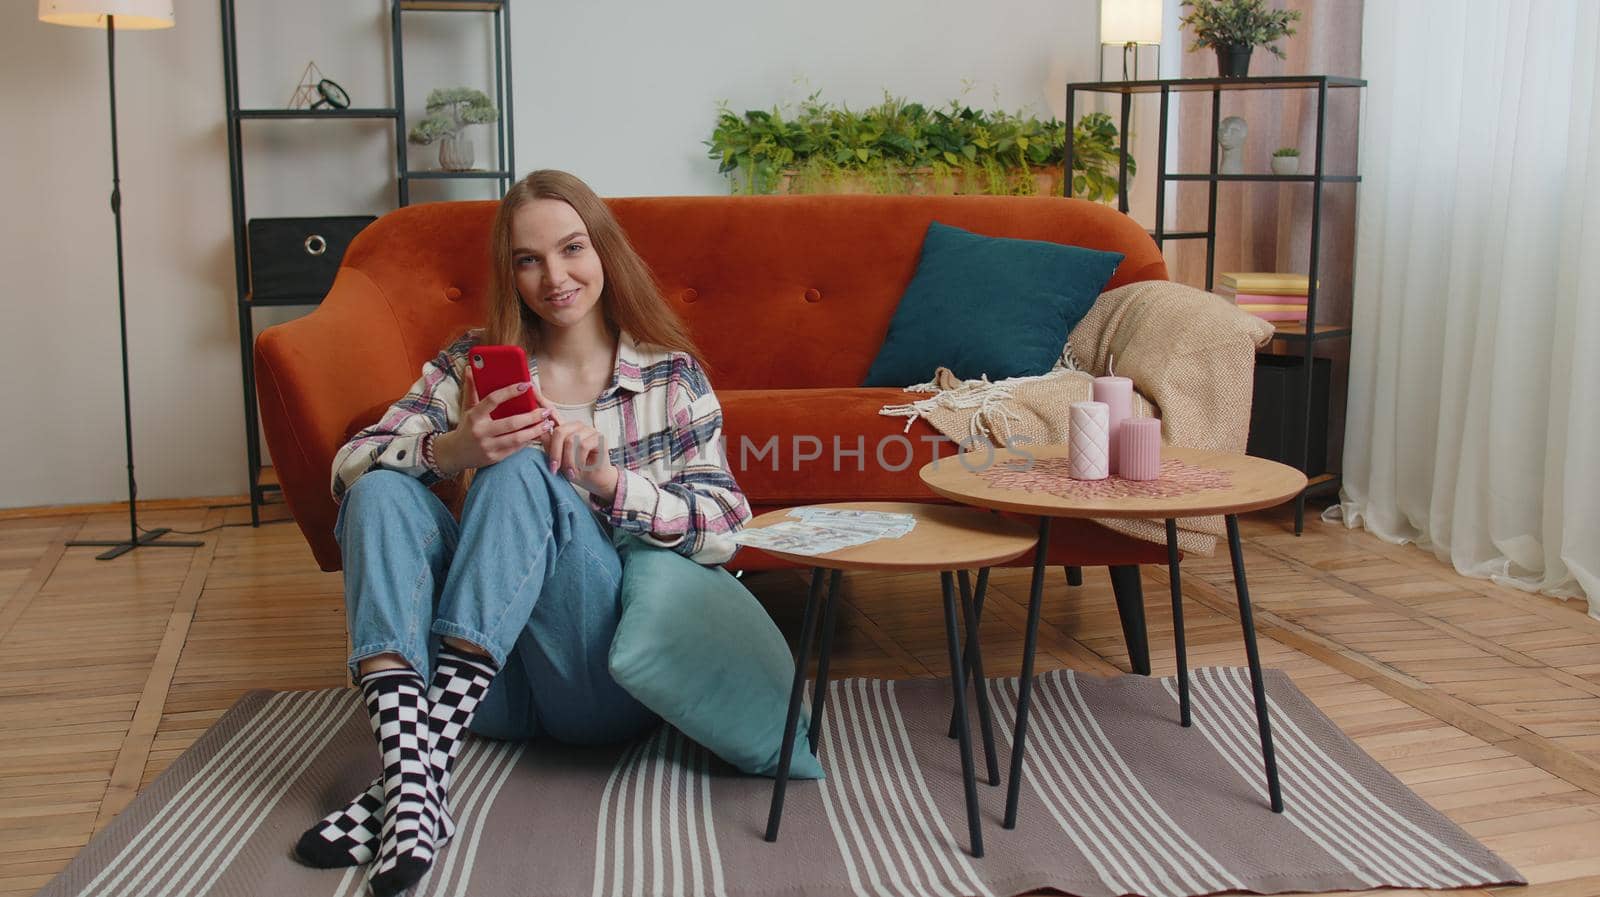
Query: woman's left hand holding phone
column 479, row 440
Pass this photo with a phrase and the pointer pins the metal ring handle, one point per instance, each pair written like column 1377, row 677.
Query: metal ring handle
column 316, row 244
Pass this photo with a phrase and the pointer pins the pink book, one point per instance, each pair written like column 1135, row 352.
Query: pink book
column 1280, row 315
column 1263, row 299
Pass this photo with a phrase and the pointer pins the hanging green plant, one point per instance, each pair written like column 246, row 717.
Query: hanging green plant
column 898, row 146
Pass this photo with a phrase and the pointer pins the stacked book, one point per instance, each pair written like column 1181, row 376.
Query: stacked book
column 1268, row 295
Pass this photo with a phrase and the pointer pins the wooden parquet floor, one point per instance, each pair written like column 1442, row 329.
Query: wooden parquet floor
column 1484, row 700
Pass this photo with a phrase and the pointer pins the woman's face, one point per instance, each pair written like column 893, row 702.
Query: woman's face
column 558, row 274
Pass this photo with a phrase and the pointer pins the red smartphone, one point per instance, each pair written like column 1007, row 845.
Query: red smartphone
column 496, row 367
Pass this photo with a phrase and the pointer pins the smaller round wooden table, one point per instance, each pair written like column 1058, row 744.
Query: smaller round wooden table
column 946, row 538
column 1193, row 483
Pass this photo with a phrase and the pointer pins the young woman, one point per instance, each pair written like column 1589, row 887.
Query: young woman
column 512, row 610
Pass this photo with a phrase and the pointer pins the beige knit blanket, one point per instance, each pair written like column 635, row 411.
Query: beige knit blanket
column 1190, row 354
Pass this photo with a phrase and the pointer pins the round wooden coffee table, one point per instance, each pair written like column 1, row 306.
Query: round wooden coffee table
column 1033, row 480
column 946, row 538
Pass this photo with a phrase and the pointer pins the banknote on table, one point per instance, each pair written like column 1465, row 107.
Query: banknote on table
column 817, row 531
column 880, row 524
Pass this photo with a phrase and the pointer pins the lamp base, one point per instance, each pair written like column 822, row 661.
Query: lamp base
column 1130, row 54
column 144, row 540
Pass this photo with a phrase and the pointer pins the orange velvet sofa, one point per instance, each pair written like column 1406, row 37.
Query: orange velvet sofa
column 788, row 298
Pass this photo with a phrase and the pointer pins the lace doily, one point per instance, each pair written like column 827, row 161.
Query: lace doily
column 1050, row 475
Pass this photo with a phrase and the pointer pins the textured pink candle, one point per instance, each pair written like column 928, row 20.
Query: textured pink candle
column 1117, row 394
column 1087, row 457
column 1139, row 448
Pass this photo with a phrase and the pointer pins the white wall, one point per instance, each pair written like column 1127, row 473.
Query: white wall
column 620, row 93
column 623, row 94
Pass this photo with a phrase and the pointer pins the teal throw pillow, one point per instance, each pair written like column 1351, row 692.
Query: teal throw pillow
column 697, row 648
column 988, row 305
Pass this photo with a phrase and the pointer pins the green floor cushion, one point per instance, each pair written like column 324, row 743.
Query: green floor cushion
column 697, row 648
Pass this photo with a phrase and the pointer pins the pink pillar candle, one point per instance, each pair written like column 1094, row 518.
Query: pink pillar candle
column 1088, row 455
column 1117, row 394
column 1139, row 448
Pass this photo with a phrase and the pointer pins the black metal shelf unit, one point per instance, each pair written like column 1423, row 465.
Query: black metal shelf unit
column 261, row 485
column 504, row 138
column 315, row 113
column 1312, row 333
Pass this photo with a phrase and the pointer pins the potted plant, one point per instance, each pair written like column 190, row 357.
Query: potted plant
column 898, row 146
column 1234, row 27
column 450, row 110
column 1285, row 160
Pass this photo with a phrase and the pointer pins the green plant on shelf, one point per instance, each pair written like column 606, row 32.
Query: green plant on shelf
column 1286, row 152
column 449, row 111
column 1095, row 153
column 1221, row 24
column 898, row 146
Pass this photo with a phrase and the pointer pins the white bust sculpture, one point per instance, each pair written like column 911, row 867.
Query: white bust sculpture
column 1231, row 133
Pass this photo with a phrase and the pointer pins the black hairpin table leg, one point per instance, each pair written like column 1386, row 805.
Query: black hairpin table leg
column 1177, row 621
column 819, row 693
column 1247, row 620
column 786, row 753
column 1025, row 684
column 973, row 662
column 972, row 632
column 969, row 777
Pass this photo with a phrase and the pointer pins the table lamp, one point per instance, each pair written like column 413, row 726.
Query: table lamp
column 114, row 15
column 1130, row 23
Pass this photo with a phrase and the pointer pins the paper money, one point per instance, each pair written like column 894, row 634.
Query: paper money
column 817, row 531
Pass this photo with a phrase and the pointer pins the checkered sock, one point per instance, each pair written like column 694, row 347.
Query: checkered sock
column 397, row 705
column 349, row 835
column 459, row 683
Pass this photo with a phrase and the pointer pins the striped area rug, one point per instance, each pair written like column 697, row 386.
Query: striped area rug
column 1119, row 799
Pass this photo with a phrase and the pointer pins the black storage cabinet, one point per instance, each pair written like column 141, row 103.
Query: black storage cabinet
column 1277, row 421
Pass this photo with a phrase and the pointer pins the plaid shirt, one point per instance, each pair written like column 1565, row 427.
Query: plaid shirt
column 659, row 417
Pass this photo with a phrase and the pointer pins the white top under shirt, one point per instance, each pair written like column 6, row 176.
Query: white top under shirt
column 582, row 412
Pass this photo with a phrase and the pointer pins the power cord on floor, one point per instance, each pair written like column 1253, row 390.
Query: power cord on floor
column 209, row 529
column 134, row 489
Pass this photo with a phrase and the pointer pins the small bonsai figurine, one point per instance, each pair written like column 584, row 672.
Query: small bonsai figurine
column 1285, row 160
column 450, row 110
column 1234, row 27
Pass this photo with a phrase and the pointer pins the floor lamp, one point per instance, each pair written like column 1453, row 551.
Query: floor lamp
column 128, row 15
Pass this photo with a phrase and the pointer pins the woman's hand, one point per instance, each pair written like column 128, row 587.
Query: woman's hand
column 578, row 452
column 479, row 440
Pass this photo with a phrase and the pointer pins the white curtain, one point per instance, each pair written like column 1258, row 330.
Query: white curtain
column 1474, row 417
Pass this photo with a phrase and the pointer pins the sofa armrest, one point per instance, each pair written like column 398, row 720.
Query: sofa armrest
column 314, row 376
column 1191, row 352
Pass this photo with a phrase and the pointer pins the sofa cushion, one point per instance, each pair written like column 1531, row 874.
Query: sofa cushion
column 988, row 306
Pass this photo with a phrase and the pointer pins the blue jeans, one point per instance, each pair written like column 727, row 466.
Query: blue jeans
column 530, row 575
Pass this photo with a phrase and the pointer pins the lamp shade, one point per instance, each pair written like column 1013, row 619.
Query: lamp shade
column 1128, row 21
column 132, row 15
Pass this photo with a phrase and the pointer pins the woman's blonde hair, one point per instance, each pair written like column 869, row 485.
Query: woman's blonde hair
column 630, row 299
